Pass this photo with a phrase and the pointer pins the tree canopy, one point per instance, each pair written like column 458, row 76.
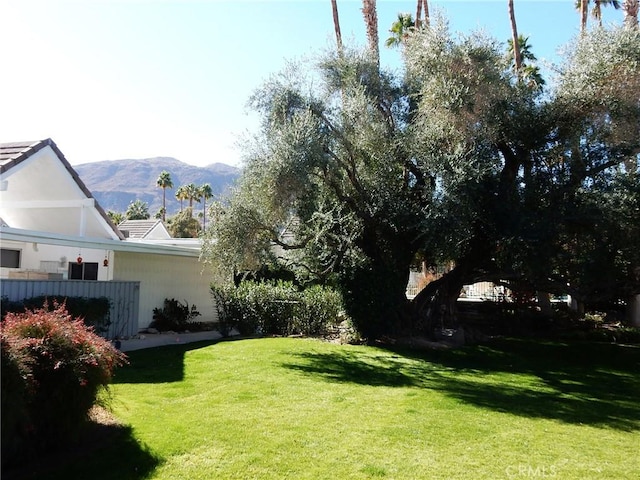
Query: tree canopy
column 137, row 210
column 357, row 172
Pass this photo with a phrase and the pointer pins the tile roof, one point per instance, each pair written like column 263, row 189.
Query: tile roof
column 14, row 152
column 138, row 228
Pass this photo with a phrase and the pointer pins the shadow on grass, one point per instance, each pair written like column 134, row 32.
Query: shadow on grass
column 582, row 383
column 158, row 364
column 91, row 457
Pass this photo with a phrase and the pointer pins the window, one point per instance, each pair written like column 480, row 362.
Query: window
column 10, row 258
column 83, row 271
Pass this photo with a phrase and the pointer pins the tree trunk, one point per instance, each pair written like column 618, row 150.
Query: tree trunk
column 584, row 4
column 630, row 8
column 514, row 37
column 544, row 302
column 371, row 21
column 375, row 298
column 427, row 20
column 336, row 25
column 164, row 203
column 434, row 308
column 633, row 311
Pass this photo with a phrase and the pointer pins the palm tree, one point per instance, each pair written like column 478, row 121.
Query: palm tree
column 422, row 4
column 181, row 194
column 630, row 8
column 193, row 194
column 582, row 6
column 596, row 12
column 137, row 210
column 206, row 193
column 515, row 44
column 371, row 21
column 528, row 72
column 336, row 25
column 116, row 217
column 400, row 30
column 164, row 182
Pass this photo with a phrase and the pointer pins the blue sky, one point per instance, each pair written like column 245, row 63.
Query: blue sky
column 112, row 79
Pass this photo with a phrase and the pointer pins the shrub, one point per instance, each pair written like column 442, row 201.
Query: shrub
column 275, row 308
column 319, row 308
column 52, row 369
column 174, row 316
column 95, row 312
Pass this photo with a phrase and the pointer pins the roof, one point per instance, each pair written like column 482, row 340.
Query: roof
column 190, row 248
column 140, row 228
column 14, row 153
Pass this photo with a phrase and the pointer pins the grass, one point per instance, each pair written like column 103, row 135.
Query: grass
column 305, row 409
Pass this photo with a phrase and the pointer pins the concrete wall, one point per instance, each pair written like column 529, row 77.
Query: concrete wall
column 165, row 276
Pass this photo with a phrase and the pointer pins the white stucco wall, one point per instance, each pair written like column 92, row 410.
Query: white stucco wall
column 33, row 253
column 165, row 276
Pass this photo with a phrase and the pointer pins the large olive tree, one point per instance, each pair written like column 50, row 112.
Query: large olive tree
column 356, row 171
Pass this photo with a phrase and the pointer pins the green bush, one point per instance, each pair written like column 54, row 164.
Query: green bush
column 275, row 308
column 319, row 309
column 52, row 369
column 174, row 316
column 94, row 312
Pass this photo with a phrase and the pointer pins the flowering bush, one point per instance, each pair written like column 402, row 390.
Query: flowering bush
column 52, row 369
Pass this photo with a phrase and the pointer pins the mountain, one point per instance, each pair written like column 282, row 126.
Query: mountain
column 116, row 183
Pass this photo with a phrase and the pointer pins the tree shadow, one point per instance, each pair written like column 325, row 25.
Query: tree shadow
column 158, row 364
column 579, row 383
column 352, row 367
column 588, row 383
column 91, row 456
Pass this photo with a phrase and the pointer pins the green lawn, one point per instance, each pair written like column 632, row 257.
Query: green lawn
column 305, row 409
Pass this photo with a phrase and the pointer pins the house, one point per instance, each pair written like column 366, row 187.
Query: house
column 54, row 232
column 145, row 229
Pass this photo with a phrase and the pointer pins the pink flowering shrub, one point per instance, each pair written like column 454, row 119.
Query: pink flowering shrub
column 53, row 367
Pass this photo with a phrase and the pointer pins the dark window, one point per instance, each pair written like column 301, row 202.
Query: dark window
column 83, row 271
column 10, row 258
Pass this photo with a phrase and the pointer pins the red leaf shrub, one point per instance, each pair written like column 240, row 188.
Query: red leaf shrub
column 52, row 369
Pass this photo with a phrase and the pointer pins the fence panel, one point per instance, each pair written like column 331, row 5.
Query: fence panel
column 124, row 298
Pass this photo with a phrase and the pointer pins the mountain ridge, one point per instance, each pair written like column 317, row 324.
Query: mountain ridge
column 117, row 183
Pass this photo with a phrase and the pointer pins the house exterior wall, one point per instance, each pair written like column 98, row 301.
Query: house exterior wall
column 159, row 232
column 40, row 257
column 165, row 276
column 41, row 195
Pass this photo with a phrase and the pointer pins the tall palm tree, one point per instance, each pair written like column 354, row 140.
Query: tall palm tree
column 514, row 38
column 181, row 194
column 630, row 8
column 193, row 194
column 583, row 6
column 400, row 30
column 206, row 193
column 596, row 12
column 528, row 73
column 164, row 182
column 421, row 6
column 336, row 25
column 371, row 21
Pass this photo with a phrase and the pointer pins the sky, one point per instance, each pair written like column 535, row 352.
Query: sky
column 124, row 79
